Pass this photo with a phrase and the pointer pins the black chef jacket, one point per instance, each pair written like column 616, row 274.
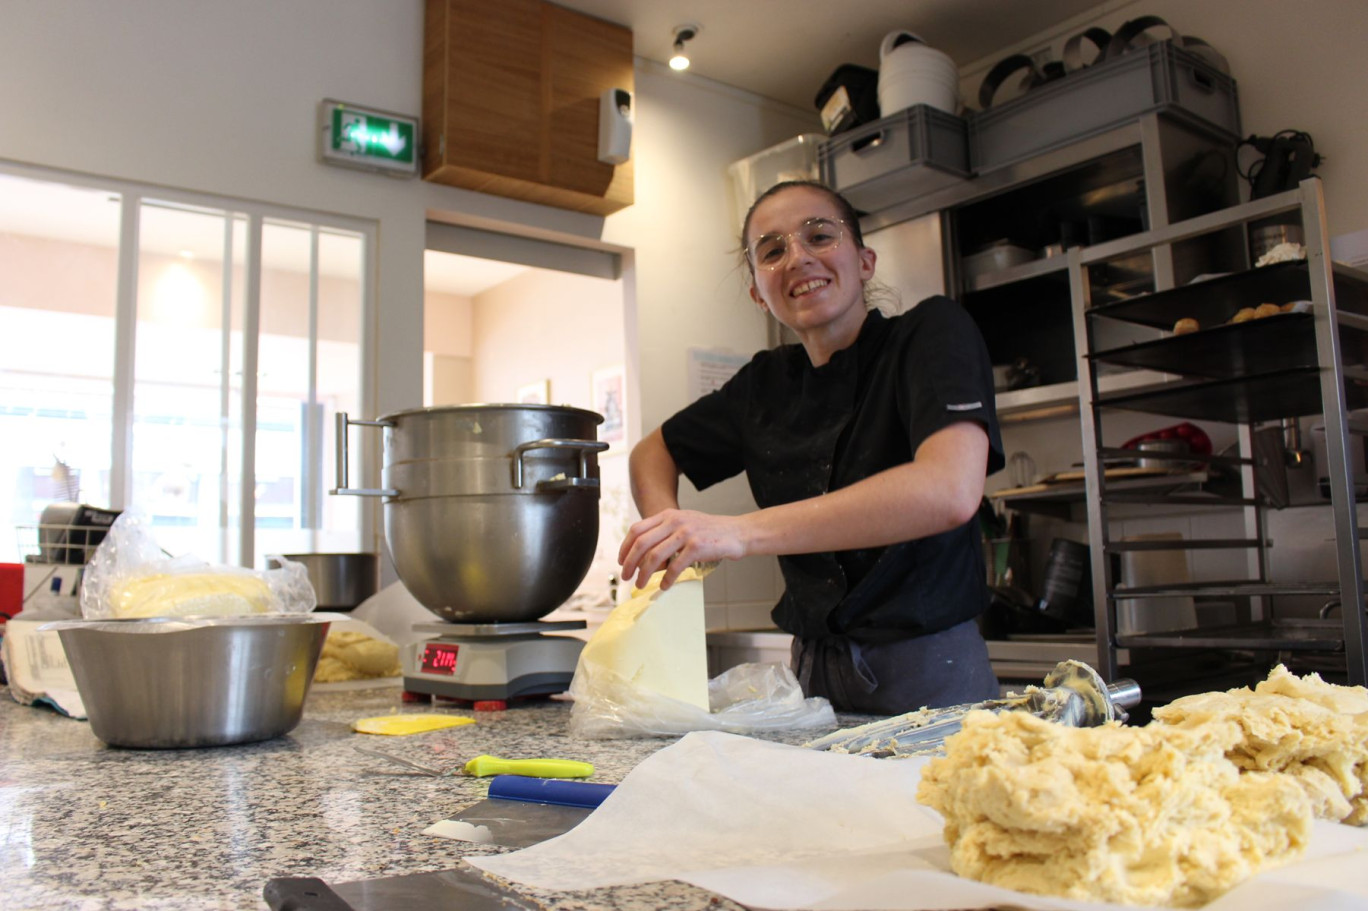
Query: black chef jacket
column 800, row 431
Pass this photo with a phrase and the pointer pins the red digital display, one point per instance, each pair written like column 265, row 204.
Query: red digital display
column 440, row 658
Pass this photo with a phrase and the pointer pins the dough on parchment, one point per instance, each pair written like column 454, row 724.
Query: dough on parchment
column 1153, row 815
column 349, row 655
column 1313, row 731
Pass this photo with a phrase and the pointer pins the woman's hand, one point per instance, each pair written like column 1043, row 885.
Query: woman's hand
column 675, row 539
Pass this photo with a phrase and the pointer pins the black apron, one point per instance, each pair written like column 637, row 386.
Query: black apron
column 890, row 676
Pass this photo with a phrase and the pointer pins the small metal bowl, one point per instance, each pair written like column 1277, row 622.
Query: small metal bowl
column 176, row 682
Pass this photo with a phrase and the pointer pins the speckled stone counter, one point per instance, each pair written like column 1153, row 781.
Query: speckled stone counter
column 86, row 826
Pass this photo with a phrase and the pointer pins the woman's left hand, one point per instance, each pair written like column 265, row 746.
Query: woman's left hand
column 674, row 540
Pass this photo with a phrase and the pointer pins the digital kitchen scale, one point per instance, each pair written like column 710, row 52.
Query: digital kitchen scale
column 492, row 661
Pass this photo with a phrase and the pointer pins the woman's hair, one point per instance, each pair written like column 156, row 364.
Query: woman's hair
column 877, row 294
column 848, row 213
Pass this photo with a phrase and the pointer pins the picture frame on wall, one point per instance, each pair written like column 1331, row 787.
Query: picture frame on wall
column 610, row 400
column 538, row 393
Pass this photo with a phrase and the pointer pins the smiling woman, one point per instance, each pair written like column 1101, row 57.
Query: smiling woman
column 181, row 355
column 866, row 447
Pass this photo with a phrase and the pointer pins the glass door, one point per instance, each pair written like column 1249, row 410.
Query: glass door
column 58, row 292
column 183, row 357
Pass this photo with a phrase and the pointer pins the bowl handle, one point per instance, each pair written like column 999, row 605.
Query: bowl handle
column 585, row 447
column 343, row 422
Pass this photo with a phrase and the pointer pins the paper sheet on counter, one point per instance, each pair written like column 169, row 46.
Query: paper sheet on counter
column 775, row 826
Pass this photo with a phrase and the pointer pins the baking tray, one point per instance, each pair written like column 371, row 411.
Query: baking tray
column 1275, row 635
column 1286, row 341
column 1237, row 400
column 1214, row 301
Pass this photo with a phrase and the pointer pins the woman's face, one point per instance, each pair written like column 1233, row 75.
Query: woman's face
column 807, row 291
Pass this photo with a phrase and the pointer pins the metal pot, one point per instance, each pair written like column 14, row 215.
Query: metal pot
column 178, row 682
column 1161, row 454
column 341, row 581
column 491, row 511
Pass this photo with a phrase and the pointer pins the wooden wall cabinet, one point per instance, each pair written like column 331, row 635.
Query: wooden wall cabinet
column 511, row 102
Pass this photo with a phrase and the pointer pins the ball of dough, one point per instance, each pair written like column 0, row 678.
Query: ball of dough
column 1185, row 325
column 1243, row 315
column 1154, row 815
column 1264, row 310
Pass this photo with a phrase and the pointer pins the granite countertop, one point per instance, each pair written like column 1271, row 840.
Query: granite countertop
column 87, row 826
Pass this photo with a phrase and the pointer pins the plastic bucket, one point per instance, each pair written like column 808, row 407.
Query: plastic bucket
column 911, row 73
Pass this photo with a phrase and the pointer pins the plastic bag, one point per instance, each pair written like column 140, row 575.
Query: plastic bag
column 745, row 699
column 131, row 576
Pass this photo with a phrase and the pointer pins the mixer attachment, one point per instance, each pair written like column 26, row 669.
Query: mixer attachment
column 1073, row 694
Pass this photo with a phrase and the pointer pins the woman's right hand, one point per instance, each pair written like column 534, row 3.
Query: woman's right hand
column 674, row 540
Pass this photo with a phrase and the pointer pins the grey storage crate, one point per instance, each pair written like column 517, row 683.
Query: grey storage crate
column 914, row 152
column 1157, row 77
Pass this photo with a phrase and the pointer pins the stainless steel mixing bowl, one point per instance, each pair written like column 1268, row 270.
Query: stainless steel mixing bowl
column 491, row 511
column 341, row 581
column 167, row 682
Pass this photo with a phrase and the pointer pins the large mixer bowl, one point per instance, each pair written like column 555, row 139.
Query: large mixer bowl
column 491, row 511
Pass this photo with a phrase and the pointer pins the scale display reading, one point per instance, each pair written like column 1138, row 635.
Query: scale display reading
column 440, row 658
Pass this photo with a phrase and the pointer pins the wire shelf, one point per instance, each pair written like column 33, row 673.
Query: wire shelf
column 70, row 545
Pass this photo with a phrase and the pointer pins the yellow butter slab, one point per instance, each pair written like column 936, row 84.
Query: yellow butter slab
column 408, row 724
column 658, row 639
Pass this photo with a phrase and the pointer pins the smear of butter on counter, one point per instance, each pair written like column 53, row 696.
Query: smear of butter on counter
column 460, row 831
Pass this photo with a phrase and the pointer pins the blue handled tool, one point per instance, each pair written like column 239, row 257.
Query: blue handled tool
column 557, row 791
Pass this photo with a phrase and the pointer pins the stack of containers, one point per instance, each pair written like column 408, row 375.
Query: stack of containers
column 912, row 73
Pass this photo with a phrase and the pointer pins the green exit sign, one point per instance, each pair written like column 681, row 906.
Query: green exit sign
column 357, row 137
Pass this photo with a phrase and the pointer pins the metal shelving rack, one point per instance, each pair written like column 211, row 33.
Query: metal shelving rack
column 1286, row 366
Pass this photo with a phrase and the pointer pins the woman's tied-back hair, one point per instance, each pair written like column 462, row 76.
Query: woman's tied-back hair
column 848, row 213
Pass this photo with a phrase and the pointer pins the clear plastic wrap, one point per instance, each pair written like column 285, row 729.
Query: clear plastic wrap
column 745, row 699
column 131, row 576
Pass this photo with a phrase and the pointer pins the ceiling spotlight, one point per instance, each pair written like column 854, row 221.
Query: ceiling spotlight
column 682, row 33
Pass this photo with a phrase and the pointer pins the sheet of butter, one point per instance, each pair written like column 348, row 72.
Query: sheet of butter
column 1313, row 731
column 1143, row 816
column 657, row 640
column 186, row 594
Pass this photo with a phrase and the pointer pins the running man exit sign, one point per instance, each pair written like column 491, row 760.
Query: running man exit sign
column 365, row 138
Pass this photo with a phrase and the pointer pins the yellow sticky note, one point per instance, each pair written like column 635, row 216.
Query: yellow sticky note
column 408, row 724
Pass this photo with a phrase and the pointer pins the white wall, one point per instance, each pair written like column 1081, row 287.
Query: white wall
column 545, row 325
column 448, row 349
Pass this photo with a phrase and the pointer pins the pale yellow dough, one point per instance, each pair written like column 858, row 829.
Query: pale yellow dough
column 1313, row 731
column 191, row 594
column 1154, row 815
column 350, row 655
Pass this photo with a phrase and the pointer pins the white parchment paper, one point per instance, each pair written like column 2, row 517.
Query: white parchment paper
column 775, row 826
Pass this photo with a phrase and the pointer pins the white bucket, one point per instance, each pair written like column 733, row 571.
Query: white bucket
column 912, row 73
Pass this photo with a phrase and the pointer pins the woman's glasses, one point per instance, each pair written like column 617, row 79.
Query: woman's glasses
column 817, row 235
